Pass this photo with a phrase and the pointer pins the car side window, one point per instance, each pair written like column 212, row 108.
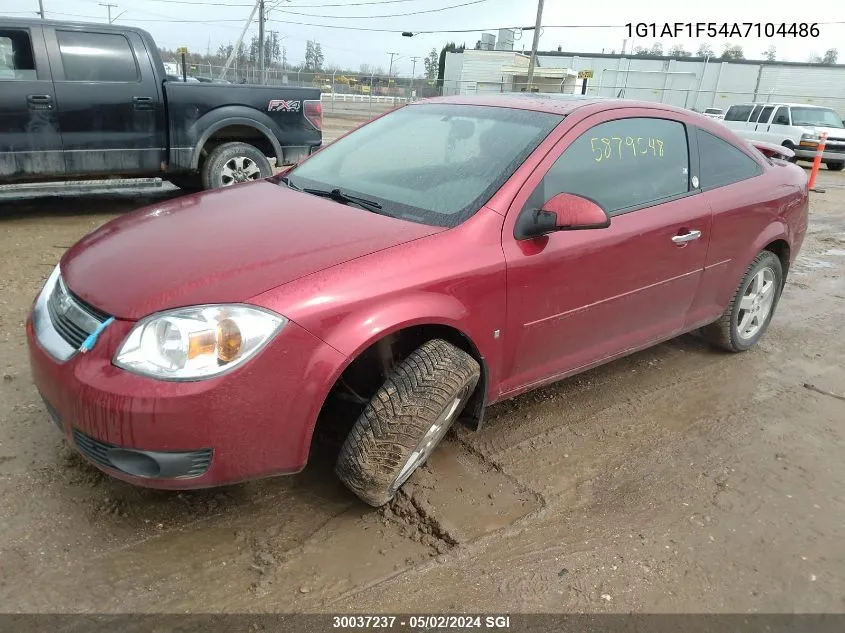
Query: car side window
column 755, row 113
column 720, row 163
column 622, row 165
column 764, row 116
column 103, row 57
column 781, row 116
column 16, row 58
column 738, row 113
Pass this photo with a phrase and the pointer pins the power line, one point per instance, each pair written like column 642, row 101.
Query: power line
column 384, row 15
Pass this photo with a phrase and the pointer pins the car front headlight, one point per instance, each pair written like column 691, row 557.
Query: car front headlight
column 812, row 138
column 196, row 343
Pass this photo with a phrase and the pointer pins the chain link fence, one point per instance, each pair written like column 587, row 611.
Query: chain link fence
column 368, row 94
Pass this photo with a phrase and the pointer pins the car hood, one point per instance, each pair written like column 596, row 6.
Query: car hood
column 832, row 132
column 222, row 246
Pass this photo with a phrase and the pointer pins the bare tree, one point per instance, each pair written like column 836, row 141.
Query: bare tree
column 830, row 56
column 705, row 50
column 733, row 51
column 678, row 51
column 769, row 54
column 656, row 49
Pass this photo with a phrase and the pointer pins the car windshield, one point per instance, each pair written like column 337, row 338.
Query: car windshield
column 432, row 163
column 822, row 117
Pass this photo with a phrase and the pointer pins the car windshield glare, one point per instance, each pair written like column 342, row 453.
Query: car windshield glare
column 430, row 163
column 821, row 117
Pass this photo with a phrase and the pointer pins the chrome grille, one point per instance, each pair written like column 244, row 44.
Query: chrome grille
column 72, row 318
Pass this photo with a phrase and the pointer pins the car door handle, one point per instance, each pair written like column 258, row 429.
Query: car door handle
column 686, row 237
column 39, row 102
column 143, row 103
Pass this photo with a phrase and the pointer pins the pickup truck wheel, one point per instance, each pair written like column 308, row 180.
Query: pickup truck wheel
column 233, row 163
column 835, row 166
column 749, row 313
column 406, row 419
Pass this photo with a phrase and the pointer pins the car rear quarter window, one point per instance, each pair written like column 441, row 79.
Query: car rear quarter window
column 738, row 113
column 622, row 165
column 720, row 163
column 105, row 57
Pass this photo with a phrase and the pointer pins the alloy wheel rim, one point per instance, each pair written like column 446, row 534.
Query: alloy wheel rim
column 756, row 304
column 239, row 169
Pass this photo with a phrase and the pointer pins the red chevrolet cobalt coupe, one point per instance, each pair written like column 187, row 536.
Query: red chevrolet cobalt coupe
column 448, row 255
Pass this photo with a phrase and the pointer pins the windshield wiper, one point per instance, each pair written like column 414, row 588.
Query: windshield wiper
column 339, row 196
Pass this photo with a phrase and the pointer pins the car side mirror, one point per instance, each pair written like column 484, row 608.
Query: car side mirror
column 563, row 212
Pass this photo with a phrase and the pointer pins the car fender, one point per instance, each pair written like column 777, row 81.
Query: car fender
column 203, row 128
column 776, row 230
column 361, row 328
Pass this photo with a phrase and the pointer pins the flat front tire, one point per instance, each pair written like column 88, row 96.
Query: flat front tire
column 406, row 419
column 233, row 163
column 750, row 311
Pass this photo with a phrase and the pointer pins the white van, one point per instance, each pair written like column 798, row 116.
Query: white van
column 797, row 126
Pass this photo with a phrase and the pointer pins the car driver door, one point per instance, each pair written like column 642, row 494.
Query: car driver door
column 576, row 298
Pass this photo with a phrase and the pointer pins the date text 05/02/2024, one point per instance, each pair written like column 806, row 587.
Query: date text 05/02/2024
column 724, row 29
column 426, row 622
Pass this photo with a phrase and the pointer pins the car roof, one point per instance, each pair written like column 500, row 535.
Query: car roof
column 11, row 22
column 554, row 103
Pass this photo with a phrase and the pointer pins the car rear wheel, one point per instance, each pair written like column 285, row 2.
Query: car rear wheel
column 406, row 419
column 233, row 163
column 835, row 166
column 749, row 313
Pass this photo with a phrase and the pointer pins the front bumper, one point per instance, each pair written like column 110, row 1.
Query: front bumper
column 836, row 156
column 252, row 422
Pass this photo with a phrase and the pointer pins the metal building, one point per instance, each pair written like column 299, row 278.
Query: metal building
column 691, row 82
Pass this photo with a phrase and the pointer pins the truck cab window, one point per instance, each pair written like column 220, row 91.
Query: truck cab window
column 102, row 57
column 16, row 58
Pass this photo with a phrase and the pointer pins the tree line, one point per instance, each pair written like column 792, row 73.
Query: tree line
column 730, row 51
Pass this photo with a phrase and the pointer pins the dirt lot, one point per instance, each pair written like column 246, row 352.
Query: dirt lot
column 678, row 479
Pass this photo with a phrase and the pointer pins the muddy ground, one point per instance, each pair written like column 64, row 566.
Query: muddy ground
column 678, row 479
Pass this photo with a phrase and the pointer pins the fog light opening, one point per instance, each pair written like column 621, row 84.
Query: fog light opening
column 134, row 463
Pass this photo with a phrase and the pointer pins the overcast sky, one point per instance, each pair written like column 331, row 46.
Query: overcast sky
column 214, row 22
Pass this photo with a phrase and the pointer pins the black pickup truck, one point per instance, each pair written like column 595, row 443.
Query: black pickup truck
column 86, row 101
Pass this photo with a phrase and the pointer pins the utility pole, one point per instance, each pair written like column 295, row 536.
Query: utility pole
column 261, row 39
column 109, row 7
column 240, row 40
column 390, row 70
column 41, row 9
column 534, row 45
column 413, row 74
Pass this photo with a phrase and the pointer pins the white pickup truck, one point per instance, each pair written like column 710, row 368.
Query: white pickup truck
column 793, row 125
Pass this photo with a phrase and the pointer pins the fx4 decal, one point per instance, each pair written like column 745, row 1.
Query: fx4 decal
column 280, row 105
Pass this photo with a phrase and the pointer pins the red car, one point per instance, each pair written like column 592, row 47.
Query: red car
column 448, row 255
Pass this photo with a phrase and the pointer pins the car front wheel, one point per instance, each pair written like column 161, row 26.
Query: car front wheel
column 835, row 166
column 749, row 313
column 406, row 419
column 233, row 163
